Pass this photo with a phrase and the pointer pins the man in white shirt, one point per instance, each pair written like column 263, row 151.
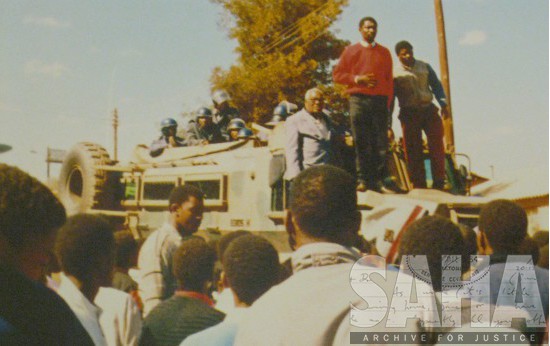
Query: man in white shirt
column 311, row 306
column 157, row 282
column 120, row 319
column 85, row 250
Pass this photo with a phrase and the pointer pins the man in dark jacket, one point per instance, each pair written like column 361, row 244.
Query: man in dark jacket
column 31, row 313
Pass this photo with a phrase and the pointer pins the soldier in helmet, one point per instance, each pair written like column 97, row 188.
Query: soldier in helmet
column 233, row 128
column 168, row 139
column 223, row 112
column 203, row 130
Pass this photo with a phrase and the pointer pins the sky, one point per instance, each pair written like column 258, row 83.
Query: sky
column 65, row 65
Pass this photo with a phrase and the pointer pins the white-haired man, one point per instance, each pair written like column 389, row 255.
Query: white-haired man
column 308, row 136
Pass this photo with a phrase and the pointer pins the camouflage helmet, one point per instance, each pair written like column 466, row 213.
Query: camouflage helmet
column 236, row 124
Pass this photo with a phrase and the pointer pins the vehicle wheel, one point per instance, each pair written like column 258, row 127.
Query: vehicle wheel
column 81, row 185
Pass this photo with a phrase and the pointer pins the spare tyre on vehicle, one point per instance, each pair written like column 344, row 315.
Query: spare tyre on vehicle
column 83, row 184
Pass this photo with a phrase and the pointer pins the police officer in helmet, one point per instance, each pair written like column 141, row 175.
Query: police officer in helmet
column 168, row 139
column 223, row 112
column 203, row 130
column 235, row 125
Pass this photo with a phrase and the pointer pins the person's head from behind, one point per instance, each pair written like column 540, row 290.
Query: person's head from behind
column 541, row 237
column 323, row 207
column 470, row 239
column 85, row 249
column 30, row 216
column 193, row 265
column 251, row 266
column 186, row 205
column 126, row 252
column 433, row 237
column 503, row 225
column 227, row 239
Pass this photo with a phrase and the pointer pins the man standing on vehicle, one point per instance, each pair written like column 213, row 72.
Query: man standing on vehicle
column 416, row 84
column 308, row 136
column 157, row 283
column 366, row 69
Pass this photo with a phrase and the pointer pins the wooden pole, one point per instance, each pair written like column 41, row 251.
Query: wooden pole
column 115, row 129
column 444, row 65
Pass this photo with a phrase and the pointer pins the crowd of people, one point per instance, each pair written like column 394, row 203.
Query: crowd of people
column 66, row 280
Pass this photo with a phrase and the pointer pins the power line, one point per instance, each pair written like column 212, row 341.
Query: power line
column 293, row 29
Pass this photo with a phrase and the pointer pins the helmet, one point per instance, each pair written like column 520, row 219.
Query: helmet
column 291, row 108
column 236, row 124
column 281, row 110
column 245, row 133
column 204, row 112
column 220, row 96
column 168, row 122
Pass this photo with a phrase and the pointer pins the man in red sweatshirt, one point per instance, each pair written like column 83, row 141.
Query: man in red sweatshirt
column 366, row 69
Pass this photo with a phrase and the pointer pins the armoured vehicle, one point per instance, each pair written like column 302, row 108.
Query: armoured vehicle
column 237, row 179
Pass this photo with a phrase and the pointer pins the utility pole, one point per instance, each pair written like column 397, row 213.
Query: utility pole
column 444, row 65
column 115, row 130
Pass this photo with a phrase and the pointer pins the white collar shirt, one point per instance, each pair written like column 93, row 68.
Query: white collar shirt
column 86, row 312
column 368, row 45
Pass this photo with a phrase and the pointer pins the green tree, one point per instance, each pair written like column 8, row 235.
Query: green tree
column 285, row 47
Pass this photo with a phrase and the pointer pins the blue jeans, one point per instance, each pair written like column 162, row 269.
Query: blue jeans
column 369, row 126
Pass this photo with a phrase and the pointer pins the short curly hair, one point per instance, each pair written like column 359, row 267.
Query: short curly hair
column 193, row 264
column 323, row 201
column 402, row 45
column 251, row 265
column 433, row 237
column 227, row 239
column 83, row 243
column 181, row 194
column 505, row 224
column 27, row 207
column 126, row 249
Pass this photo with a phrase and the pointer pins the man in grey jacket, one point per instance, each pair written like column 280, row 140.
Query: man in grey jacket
column 308, row 136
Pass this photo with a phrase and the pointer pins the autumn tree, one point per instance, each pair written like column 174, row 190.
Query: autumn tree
column 285, row 47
